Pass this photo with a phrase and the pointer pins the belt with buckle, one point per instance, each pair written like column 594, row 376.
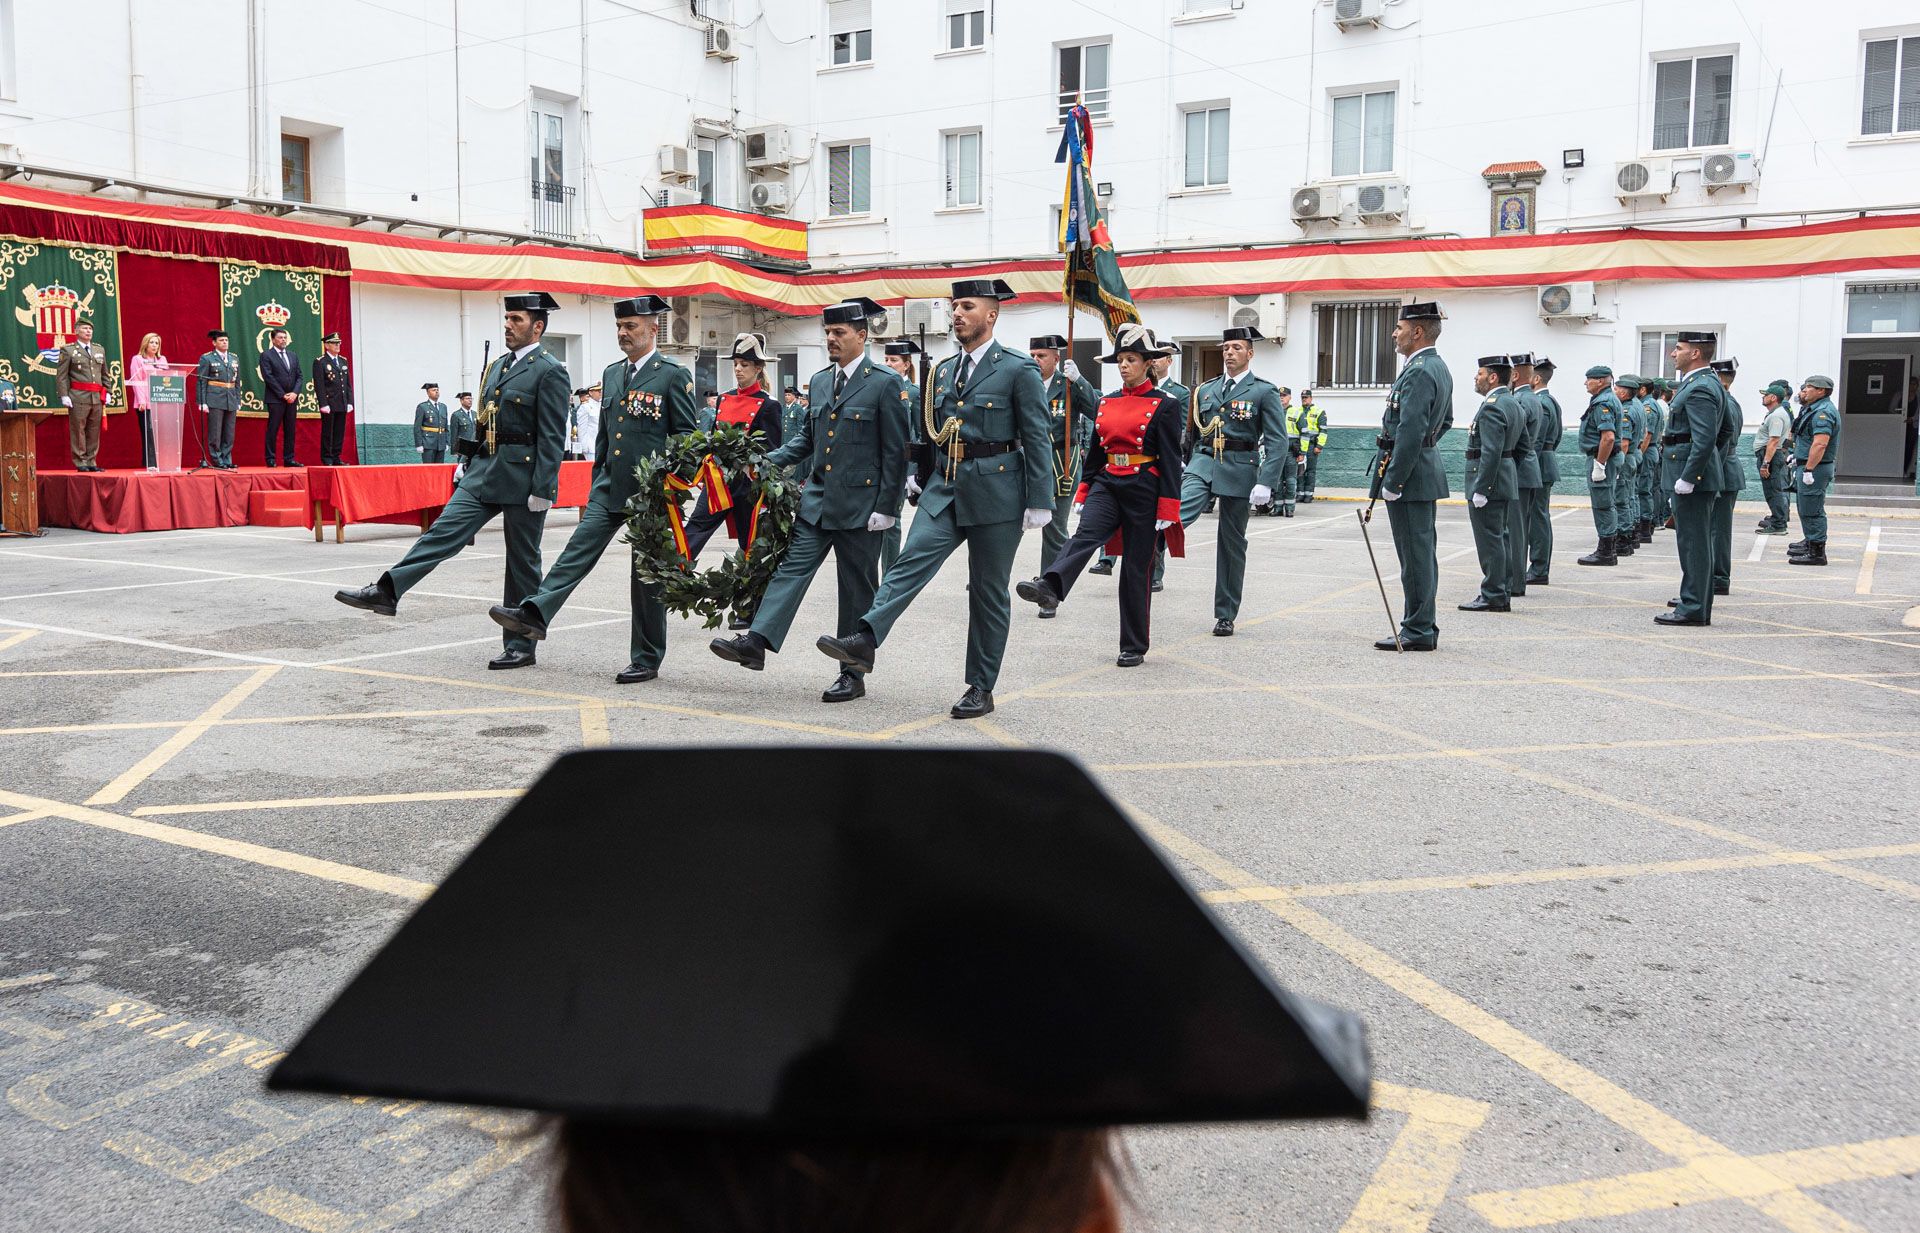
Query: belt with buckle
column 987, row 449
column 1131, row 460
column 223, row 385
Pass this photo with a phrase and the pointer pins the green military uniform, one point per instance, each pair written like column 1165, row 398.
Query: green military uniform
column 1419, row 409
column 1816, row 419
column 1064, row 393
column 1776, row 476
column 1733, row 480
column 1492, row 485
column 1548, row 430
column 83, row 383
column 1313, row 439
column 1285, row 496
column 1695, row 456
column 1241, row 445
column 647, row 402
column 1649, row 479
column 217, row 381
column 1662, row 481
column 1626, row 511
column 1526, row 465
column 1602, row 416
column 857, row 442
column 462, row 425
column 430, row 428
column 993, row 400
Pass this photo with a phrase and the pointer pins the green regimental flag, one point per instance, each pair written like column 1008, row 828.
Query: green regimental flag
column 50, row 287
column 253, row 300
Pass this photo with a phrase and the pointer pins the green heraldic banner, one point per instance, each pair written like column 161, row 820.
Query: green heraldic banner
column 253, row 302
column 50, row 289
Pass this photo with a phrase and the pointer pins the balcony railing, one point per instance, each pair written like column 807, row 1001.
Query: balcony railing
column 552, row 210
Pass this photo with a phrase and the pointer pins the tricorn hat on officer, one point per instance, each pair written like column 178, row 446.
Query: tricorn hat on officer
column 641, row 306
column 1047, row 342
column 983, row 289
column 429, row 385
column 1521, row 359
column 856, row 312
column 1241, row 333
column 904, row 346
column 1496, row 361
column 464, row 394
column 532, row 302
column 1727, row 368
column 751, row 345
column 1426, row 310
column 1703, row 338
column 836, row 967
column 1139, row 340
column 1542, row 361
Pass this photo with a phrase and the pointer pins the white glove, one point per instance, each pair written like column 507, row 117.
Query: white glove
column 1161, row 524
column 1077, row 507
column 203, row 408
column 419, row 449
column 1806, row 477
column 913, row 486
column 538, row 505
column 1479, row 500
column 459, row 469
column 349, row 408
column 1034, row 519
column 67, row 403
column 1262, row 496
column 1599, row 472
column 880, row 522
column 1389, row 494
column 1073, row 371
column 1682, row 487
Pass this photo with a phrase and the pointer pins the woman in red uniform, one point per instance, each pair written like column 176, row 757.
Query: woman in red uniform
column 1130, row 484
column 750, row 407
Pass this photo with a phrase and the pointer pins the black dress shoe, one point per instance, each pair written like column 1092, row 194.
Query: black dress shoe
column 510, row 659
column 520, row 621
column 1674, row 618
column 1130, row 659
column 635, row 673
column 745, row 650
column 1388, row 644
column 375, row 598
column 856, row 652
column 1102, row 566
column 1047, row 614
column 845, row 688
column 1223, row 628
column 973, row 704
column 1479, row 603
column 1723, row 588
column 1673, row 603
column 1536, row 580
column 301, row 465
column 1037, row 591
column 1157, row 587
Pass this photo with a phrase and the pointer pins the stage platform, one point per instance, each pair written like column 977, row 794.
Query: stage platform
column 120, row 502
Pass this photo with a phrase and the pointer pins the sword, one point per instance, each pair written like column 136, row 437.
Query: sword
column 1392, row 624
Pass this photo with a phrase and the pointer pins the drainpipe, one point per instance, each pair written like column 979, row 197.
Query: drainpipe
column 135, row 84
column 256, row 186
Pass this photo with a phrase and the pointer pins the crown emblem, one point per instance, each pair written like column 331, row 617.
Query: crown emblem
column 54, row 295
column 273, row 314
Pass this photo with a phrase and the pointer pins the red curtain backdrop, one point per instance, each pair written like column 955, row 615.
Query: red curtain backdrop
column 179, row 299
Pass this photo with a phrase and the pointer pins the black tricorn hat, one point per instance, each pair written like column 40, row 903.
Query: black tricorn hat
column 1520, row 359
column 904, row 346
column 1012, row 956
column 1707, row 337
column 1241, row 333
column 464, row 394
column 1425, row 311
column 532, row 302
column 1728, row 367
column 983, row 289
column 641, row 306
column 429, row 385
column 1496, row 361
column 855, row 311
column 1047, row 342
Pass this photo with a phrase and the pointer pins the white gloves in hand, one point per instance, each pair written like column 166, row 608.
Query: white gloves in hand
column 539, row 505
column 1073, row 371
column 880, row 522
column 1599, row 472
column 1682, row 487
column 203, row 408
column 1389, row 494
column 67, row 403
column 913, row 486
column 1806, row 477
column 349, row 408
column 1161, row 524
column 1261, row 496
column 1034, row 519
column 419, row 449
column 1077, row 507
column 1479, row 500
column 459, row 469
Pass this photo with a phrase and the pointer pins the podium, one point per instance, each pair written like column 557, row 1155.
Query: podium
column 19, row 477
column 166, row 417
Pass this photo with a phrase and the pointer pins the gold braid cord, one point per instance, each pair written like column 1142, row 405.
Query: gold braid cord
column 490, row 409
column 1216, row 427
column 947, row 434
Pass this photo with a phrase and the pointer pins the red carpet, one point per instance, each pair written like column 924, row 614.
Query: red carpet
column 124, row 501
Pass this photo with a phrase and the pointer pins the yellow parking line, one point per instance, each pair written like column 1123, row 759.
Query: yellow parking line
column 1863, row 585
column 137, row 774
column 15, row 638
column 325, row 802
column 594, row 730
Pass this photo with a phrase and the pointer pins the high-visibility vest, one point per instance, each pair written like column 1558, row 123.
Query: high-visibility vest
column 1316, row 425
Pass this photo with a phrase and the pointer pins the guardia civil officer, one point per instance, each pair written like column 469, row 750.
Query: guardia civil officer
column 1600, row 427
column 218, row 381
column 333, row 390
column 988, row 427
column 1633, row 431
column 1816, row 446
column 1662, row 481
column 1288, row 493
column 1539, row 514
column 1773, row 455
column 430, row 424
column 1313, row 439
column 462, row 425
column 1733, row 479
column 1407, row 472
column 1649, row 477
column 1240, row 431
column 901, row 356
column 513, row 473
column 1069, row 398
column 751, row 409
column 856, row 436
column 1695, row 454
column 649, row 399
column 1130, row 486
column 1526, row 465
column 1492, row 479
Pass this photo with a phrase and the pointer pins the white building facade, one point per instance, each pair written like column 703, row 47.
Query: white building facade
column 922, row 132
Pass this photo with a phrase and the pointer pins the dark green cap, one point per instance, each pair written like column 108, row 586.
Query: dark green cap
column 1599, row 372
column 1779, row 389
column 1820, row 382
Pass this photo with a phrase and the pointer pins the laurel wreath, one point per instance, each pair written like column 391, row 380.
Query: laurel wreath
column 656, row 512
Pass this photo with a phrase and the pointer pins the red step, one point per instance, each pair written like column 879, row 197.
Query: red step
column 277, row 507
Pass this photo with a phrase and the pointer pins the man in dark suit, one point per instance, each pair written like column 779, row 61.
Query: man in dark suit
column 280, row 373
column 334, row 392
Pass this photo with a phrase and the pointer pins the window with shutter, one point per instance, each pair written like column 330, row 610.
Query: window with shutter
column 1692, row 102
column 849, row 179
column 963, row 168
column 1890, row 87
column 1363, row 133
column 849, row 32
column 966, row 24
column 1206, row 146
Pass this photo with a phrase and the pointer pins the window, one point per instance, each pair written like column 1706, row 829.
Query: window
column 1656, row 349
column 962, row 159
column 1890, row 94
column 966, row 24
column 849, row 179
column 849, row 32
column 1083, row 78
column 1206, row 146
column 1053, row 224
column 547, row 129
column 1883, row 308
column 1355, row 344
column 296, row 168
column 1692, row 102
column 703, row 169
column 1363, row 133
column 9, row 83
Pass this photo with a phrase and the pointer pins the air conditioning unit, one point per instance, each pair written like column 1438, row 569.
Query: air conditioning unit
column 1315, row 201
column 679, row 165
column 928, row 316
column 769, row 147
column 1266, row 313
column 679, row 196
column 885, row 324
column 1735, row 169
column 1348, row 14
column 1559, row 301
column 772, row 198
column 682, row 328
column 720, row 43
column 1384, row 200
column 1643, row 177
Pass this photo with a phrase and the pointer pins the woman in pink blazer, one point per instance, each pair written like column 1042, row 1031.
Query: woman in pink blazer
column 145, row 363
